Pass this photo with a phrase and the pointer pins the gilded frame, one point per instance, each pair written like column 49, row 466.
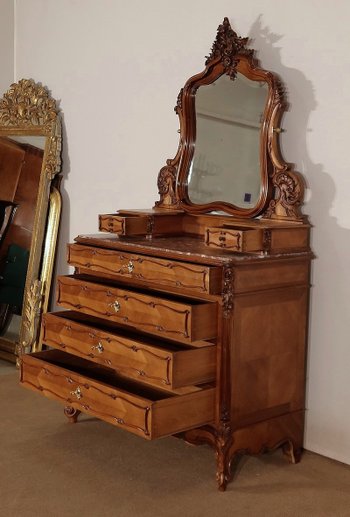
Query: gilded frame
column 28, row 109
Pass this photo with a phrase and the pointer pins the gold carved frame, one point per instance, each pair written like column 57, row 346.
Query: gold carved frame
column 27, row 109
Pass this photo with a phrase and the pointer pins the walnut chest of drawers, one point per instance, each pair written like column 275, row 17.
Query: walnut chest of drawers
column 166, row 336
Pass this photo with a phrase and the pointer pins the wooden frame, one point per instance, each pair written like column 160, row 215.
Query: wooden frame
column 27, row 109
column 282, row 189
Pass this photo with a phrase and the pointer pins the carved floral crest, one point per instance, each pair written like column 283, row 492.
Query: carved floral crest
column 226, row 46
column 27, row 104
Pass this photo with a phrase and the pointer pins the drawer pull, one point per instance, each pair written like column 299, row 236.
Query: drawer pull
column 99, row 347
column 129, row 267
column 116, row 306
column 77, row 393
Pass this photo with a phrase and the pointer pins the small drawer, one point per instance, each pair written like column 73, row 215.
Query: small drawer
column 153, row 361
column 238, row 239
column 124, row 225
column 171, row 316
column 168, row 273
column 84, row 386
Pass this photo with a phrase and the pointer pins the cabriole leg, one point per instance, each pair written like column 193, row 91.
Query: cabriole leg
column 292, row 451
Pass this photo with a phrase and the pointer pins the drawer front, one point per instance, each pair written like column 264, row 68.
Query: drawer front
column 187, row 320
column 159, row 365
column 124, row 225
column 56, row 376
column 199, row 279
column 234, row 239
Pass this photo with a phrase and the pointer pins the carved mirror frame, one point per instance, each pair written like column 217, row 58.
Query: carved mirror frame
column 27, row 109
column 282, row 189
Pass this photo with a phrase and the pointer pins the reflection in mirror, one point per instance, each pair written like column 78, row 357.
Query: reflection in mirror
column 226, row 160
column 21, row 158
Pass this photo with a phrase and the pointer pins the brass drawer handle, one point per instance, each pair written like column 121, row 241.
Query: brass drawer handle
column 99, row 347
column 77, row 393
column 116, row 306
column 129, row 266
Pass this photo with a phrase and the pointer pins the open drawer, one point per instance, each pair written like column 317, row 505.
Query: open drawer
column 154, row 361
column 171, row 316
column 128, row 224
column 84, row 386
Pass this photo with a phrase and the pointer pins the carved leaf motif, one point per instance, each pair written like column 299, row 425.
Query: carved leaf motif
column 53, row 161
column 178, row 106
column 227, row 292
column 279, row 91
column 31, row 313
column 27, row 104
column 226, row 46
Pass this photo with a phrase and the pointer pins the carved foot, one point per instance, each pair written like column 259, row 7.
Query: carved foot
column 222, row 478
column 223, row 462
column 292, row 452
column 221, row 442
column 72, row 414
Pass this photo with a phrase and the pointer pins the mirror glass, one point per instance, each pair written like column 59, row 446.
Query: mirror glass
column 21, row 160
column 226, row 160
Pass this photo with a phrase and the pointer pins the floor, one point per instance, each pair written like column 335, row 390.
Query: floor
column 50, row 468
column 6, row 367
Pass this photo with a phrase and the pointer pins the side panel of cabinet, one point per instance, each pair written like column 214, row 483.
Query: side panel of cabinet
column 268, row 354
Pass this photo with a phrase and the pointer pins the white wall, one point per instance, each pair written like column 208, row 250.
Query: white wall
column 117, row 67
column 7, row 38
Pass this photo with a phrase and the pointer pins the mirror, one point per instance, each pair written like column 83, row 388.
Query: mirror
column 30, row 204
column 226, row 159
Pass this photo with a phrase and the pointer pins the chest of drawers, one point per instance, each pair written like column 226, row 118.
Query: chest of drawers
column 167, row 336
column 190, row 318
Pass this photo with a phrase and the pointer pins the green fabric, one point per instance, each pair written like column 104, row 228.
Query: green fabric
column 13, row 276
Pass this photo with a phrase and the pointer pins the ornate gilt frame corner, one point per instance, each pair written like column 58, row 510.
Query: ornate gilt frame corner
column 28, row 109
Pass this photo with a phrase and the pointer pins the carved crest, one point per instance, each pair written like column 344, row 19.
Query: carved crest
column 226, row 46
column 27, row 104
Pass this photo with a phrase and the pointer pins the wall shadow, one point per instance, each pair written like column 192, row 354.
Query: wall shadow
column 329, row 290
